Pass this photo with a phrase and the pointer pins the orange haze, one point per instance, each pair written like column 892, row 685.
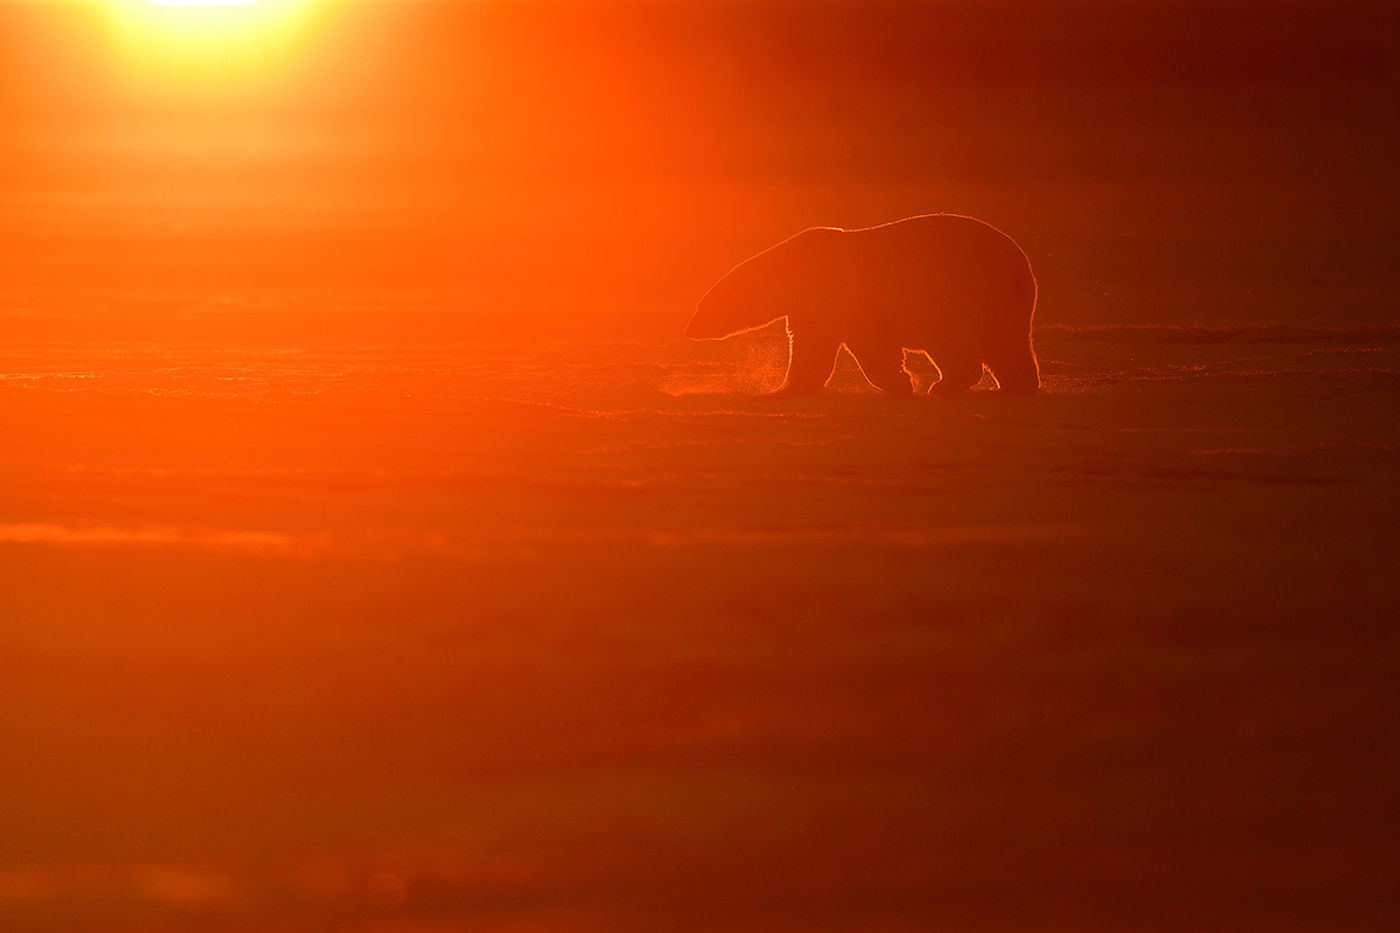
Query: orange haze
column 377, row 552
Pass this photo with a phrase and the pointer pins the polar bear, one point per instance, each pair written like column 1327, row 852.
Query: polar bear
column 949, row 285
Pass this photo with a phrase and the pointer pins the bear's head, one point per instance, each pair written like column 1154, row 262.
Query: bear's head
column 760, row 290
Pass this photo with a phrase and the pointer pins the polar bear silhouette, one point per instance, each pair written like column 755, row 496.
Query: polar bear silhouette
column 951, row 286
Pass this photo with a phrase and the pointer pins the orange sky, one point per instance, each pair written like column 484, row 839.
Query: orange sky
column 527, row 154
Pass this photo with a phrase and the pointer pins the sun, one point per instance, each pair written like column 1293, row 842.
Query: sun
column 202, row 41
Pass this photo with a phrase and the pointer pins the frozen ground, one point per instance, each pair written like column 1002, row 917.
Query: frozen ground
column 562, row 632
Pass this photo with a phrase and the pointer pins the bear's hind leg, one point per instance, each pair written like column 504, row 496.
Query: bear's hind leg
column 810, row 363
column 882, row 364
column 960, row 373
column 1015, row 368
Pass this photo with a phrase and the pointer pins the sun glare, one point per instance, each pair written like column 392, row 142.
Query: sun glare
column 207, row 40
column 201, row 2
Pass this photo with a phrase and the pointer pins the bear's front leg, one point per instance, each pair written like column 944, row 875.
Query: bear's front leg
column 812, row 357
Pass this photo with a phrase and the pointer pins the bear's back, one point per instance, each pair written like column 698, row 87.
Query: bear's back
column 939, row 236
column 953, row 256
